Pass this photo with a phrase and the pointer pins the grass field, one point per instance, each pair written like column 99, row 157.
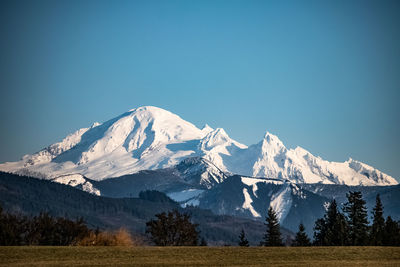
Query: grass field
column 200, row 256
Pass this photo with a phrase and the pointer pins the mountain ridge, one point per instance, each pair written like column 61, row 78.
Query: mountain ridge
column 150, row 138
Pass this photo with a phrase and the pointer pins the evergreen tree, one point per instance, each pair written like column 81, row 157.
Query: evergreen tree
column 357, row 219
column 378, row 224
column 172, row 229
column 320, row 232
column 272, row 236
column 301, row 239
column 392, row 233
column 331, row 229
column 243, row 242
column 336, row 226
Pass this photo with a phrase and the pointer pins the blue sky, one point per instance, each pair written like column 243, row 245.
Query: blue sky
column 324, row 75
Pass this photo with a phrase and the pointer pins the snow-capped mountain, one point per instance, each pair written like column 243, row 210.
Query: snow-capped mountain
column 270, row 158
column 150, row 138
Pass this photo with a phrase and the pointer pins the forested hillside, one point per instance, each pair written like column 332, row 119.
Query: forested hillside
column 30, row 196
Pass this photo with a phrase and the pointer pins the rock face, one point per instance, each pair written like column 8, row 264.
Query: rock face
column 150, row 138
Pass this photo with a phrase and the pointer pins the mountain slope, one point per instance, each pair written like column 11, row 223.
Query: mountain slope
column 25, row 195
column 191, row 174
column 150, row 138
column 250, row 197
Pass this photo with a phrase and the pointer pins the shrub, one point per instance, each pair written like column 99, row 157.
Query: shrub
column 172, row 229
column 120, row 237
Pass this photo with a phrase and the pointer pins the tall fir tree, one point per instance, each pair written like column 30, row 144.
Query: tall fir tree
column 378, row 224
column 392, row 233
column 336, row 234
column 243, row 242
column 272, row 235
column 301, row 239
column 332, row 228
column 320, row 232
column 357, row 219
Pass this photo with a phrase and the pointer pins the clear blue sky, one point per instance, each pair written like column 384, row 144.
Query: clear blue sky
column 324, row 75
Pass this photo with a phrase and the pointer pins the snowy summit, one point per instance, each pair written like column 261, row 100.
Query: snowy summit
column 153, row 138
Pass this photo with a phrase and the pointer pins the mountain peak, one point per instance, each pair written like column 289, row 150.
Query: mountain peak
column 148, row 108
column 215, row 138
column 149, row 137
column 271, row 140
column 221, row 132
column 207, row 128
column 151, row 112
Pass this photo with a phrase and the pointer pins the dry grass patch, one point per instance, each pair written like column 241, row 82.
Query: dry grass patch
column 200, row 256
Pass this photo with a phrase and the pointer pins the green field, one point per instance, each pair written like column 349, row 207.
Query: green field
column 206, row 256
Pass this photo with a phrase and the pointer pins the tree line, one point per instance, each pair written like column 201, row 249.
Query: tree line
column 42, row 229
column 46, row 230
column 347, row 228
column 351, row 226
